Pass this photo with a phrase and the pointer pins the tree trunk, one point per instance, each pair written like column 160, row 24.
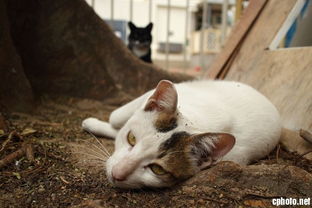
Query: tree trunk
column 67, row 49
column 15, row 90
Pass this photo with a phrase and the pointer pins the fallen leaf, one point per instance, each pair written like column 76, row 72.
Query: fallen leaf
column 17, row 175
column 28, row 131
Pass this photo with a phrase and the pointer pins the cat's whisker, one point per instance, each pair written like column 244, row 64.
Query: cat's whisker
column 97, row 152
column 101, row 152
column 104, row 149
column 99, row 142
column 90, row 155
column 97, row 147
column 91, row 164
column 90, row 150
column 94, row 161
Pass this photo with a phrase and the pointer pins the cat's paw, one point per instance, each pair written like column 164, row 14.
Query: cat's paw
column 98, row 127
column 90, row 124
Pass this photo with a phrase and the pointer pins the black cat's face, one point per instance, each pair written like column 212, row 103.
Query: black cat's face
column 140, row 37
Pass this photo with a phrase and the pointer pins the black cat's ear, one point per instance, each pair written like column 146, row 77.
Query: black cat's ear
column 210, row 147
column 164, row 99
column 131, row 26
column 149, row 27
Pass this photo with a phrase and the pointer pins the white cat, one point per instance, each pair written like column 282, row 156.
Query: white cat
column 171, row 133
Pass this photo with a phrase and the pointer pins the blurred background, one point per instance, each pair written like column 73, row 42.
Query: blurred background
column 187, row 34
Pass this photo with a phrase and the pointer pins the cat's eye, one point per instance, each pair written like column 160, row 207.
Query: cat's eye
column 157, row 169
column 131, row 139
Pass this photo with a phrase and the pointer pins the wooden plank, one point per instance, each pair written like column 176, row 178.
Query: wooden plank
column 283, row 75
column 238, row 9
column 259, row 38
column 287, row 24
column 227, row 66
column 238, row 33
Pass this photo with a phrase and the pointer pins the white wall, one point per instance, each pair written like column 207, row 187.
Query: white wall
column 122, row 10
column 159, row 18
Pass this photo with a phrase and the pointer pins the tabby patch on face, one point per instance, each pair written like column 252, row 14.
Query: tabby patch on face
column 166, row 122
column 175, row 157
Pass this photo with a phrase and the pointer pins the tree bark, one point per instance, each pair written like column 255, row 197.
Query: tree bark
column 15, row 90
column 67, row 49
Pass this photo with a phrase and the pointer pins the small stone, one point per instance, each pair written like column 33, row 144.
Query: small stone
column 201, row 201
column 53, row 196
column 41, row 189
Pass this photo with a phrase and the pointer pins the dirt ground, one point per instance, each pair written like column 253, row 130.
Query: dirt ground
column 59, row 165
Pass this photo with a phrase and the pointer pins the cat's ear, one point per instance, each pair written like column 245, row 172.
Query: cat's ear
column 131, row 26
column 164, row 99
column 210, row 147
column 149, row 27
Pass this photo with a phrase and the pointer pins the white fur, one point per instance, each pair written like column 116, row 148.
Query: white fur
column 204, row 106
column 139, row 52
column 97, row 127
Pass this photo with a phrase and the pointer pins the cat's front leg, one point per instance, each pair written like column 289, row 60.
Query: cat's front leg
column 100, row 128
column 121, row 115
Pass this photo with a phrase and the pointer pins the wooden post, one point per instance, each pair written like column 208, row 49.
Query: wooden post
column 150, row 10
column 112, row 10
column 238, row 9
column 224, row 21
column 202, row 34
column 186, row 33
column 168, row 34
column 131, row 10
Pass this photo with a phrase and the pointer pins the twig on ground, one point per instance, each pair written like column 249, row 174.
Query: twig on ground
column 26, row 149
column 308, row 152
column 63, row 179
column 306, row 135
column 11, row 135
column 11, row 157
column 29, row 152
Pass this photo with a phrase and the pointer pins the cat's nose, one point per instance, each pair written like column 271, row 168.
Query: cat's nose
column 123, row 169
column 118, row 177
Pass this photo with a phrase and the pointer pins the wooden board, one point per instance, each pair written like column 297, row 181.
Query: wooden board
column 237, row 35
column 292, row 16
column 284, row 75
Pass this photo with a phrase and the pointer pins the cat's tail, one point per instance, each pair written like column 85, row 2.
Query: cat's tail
column 297, row 141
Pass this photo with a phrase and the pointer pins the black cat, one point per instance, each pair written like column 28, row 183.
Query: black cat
column 140, row 40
